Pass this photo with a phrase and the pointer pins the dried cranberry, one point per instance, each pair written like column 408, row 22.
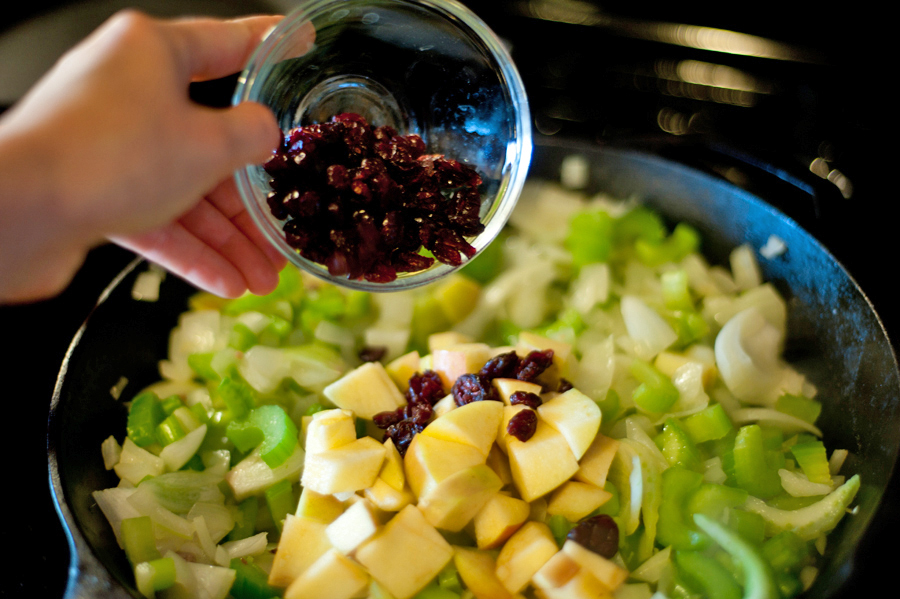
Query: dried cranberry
column 534, row 364
column 387, row 419
column 473, row 387
column 522, row 425
column 600, row 534
column 402, row 434
column 372, row 353
column 532, row 400
column 324, row 176
column 502, row 366
column 426, row 387
column 564, row 386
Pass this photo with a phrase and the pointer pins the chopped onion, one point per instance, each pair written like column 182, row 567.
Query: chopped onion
column 775, row 418
column 798, row 485
column 649, row 330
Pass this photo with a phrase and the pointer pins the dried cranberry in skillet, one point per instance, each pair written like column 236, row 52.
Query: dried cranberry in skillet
column 365, row 201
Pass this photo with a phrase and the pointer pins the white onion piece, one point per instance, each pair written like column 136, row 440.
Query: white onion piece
column 111, row 450
column 798, row 485
column 114, row 504
column 837, row 460
column 747, row 350
column 254, row 545
column 176, row 454
column 590, row 288
column 594, row 374
column 774, row 418
column 650, row 332
column 745, row 268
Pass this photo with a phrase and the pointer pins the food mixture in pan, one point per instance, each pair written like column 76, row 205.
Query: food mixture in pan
column 588, row 409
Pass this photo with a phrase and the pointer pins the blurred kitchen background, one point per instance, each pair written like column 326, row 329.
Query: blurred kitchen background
column 788, row 100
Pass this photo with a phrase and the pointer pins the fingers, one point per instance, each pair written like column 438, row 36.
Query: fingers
column 209, row 48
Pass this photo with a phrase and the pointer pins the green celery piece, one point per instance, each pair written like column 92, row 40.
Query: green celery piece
column 251, row 582
column 747, row 524
column 316, row 407
column 708, row 424
column 811, row 521
column 201, row 364
column 487, row 264
column 751, row 469
column 788, row 502
column 241, row 337
column 179, row 491
column 788, row 584
column 238, row 396
column 245, row 519
column 674, row 528
column 811, row 457
column 609, row 407
column 154, row 575
column 170, row 404
column 428, row 317
column 639, row 223
column 362, row 428
column 448, row 578
column 684, row 240
column 706, row 575
column 245, row 434
column 656, row 393
column 280, row 432
column 137, row 537
column 195, row 463
column 170, row 430
column 713, row 500
column 611, row 507
column 434, row 591
column 675, row 291
column 560, row 527
column 358, row 304
column 799, row 406
column 590, row 237
column 290, row 287
column 281, row 502
column 144, row 416
column 759, row 580
column 786, row 552
column 199, row 413
column 690, row 327
column 677, row 447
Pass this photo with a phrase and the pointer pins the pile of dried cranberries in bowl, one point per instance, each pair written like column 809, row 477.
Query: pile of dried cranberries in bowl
column 368, row 203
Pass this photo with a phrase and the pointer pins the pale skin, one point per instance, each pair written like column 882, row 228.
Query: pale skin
column 108, row 146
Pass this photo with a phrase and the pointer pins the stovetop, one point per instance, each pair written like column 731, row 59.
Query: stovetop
column 789, row 106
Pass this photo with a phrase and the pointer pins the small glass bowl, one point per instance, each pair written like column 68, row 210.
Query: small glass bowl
column 428, row 67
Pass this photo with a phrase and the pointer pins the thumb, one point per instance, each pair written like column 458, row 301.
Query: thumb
column 233, row 137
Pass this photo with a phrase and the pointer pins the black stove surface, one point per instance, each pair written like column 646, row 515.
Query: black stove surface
column 791, row 106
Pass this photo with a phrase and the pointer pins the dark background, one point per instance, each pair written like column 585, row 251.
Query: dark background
column 594, row 71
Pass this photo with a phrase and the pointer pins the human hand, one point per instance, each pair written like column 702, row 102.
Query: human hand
column 117, row 150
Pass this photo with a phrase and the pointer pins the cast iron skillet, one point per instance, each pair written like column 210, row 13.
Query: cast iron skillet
column 835, row 337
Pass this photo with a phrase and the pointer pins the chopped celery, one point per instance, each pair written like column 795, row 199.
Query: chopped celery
column 144, row 416
column 486, row 265
column 639, row 223
column 238, row 396
column 170, row 404
column 169, row 430
column 677, row 447
column 251, row 582
column 708, row 424
column 713, row 500
column 812, row 459
column 201, row 364
column 281, row 501
column 435, row 591
column 707, row 575
column 675, row 529
column 690, row 327
column 759, row 581
column 786, row 552
column 656, row 393
column 675, row 291
column 137, row 537
column 560, row 527
column 245, row 520
column 799, row 406
column 590, row 237
column 751, row 470
column 271, row 429
column 611, row 507
column 747, row 524
column 154, row 575
column 448, row 578
column 241, row 337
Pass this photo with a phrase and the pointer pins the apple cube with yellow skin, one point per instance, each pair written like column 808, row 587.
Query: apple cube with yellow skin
column 529, row 342
column 406, row 554
column 524, row 554
column 332, row 576
column 446, row 339
column 387, row 498
column 506, row 387
column 456, row 360
column 563, row 578
column 303, row 541
column 500, row 517
column 453, row 502
column 403, row 368
column 347, row 469
column 444, row 405
column 595, row 463
column 575, row 500
column 478, row 571
column 366, row 391
column 542, row 463
column 330, row 429
column 499, row 463
column 574, row 415
column 392, row 470
column 502, row 432
column 429, row 460
column 607, row 572
column 324, row 508
column 472, row 424
column 354, row 527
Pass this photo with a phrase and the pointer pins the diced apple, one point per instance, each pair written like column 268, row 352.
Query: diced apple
column 332, row 576
column 401, row 369
column 604, row 570
column 563, row 578
column 473, row 424
column 453, row 502
column 330, row 429
column 430, row 460
column 347, row 469
column 478, row 571
column 444, row 405
column 500, row 517
column 574, row 415
column 506, row 387
column 387, row 498
column 594, row 465
column 392, row 470
column 525, row 553
column 542, row 463
column 354, row 527
column 538, row 509
column 499, row 463
column 453, row 361
column 575, row 500
column 502, row 432
column 668, row 362
column 406, row 554
column 446, row 339
column 324, row 508
column 529, row 342
column 366, row 391
column 303, row 541
column 457, row 296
